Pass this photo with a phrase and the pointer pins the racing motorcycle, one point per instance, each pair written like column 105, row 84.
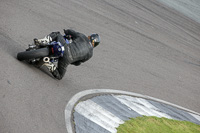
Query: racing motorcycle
column 49, row 53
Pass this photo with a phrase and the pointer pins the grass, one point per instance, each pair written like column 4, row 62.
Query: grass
column 157, row 125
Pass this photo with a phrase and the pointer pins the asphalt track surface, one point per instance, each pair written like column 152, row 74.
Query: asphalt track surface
column 146, row 48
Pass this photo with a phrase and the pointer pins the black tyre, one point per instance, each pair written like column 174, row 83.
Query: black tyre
column 38, row 53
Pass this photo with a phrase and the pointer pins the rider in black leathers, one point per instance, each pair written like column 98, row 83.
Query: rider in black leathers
column 77, row 52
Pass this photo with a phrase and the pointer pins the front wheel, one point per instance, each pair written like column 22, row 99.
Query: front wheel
column 33, row 54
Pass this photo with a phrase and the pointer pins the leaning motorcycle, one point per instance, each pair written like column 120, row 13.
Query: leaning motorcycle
column 49, row 53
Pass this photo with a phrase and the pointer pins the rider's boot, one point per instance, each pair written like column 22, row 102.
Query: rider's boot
column 42, row 42
column 50, row 66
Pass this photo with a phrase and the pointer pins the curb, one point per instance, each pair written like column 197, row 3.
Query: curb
column 87, row 94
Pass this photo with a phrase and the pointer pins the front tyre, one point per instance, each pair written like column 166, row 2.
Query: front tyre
column 33, row 54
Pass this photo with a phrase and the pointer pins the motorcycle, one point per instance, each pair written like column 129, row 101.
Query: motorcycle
column 47, row 54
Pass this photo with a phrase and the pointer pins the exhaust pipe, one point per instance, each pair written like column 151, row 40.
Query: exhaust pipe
column 46, row 59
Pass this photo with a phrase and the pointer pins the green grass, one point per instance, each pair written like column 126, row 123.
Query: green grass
column 157, row 125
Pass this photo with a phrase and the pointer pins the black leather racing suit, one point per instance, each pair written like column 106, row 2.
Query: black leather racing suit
column 80, row 50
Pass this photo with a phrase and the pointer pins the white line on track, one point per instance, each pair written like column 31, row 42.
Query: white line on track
column 195, row 116
column 141, row 106
column 99, row 115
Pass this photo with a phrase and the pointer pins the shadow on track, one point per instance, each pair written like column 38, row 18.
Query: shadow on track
column 12, row 48
column 9, row 46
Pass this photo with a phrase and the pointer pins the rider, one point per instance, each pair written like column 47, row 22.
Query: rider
column 76, row 52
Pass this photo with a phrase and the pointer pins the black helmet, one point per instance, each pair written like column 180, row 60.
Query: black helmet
column 95, row 38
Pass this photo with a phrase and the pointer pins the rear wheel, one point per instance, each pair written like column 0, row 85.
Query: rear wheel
column 33, row 54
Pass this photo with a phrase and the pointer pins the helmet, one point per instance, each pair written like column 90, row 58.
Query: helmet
column 95, row 38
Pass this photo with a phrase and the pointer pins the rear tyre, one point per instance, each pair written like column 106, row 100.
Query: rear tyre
column 33, row 54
